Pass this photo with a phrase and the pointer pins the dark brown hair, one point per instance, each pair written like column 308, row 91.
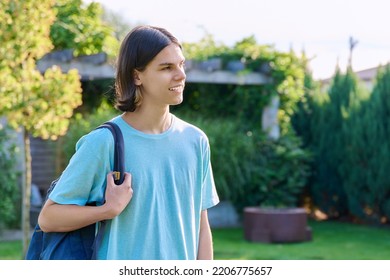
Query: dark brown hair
column 138, row 48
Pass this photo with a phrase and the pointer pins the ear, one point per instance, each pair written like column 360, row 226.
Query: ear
column 136, row 77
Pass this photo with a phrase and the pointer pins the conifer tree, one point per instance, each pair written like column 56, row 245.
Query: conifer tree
column 368, row 155
column 305, row 123
column 305, row 113
column 330, row 144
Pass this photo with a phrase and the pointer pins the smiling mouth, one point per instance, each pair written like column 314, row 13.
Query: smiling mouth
column 177, row 88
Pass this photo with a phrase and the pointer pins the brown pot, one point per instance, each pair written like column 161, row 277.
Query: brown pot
column 276, row 225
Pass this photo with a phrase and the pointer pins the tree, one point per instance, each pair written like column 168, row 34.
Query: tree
column 305, row 115
column 305, row 121
column 367, row 156
column 80, row 27
column 330, row 142
column 40, row 104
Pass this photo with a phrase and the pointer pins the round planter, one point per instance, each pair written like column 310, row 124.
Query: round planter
column 276, row 225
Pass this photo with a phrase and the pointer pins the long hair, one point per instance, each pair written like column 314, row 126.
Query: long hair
column 138, row 48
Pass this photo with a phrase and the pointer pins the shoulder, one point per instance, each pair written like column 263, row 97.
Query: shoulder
column 191, row 134
column 186, row 127
column 99, row 138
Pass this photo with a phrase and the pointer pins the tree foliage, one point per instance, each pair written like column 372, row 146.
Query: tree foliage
column 367, row 154
column 80, row 27
column 285, row 69
column 347, row 129
column 327, row 189
column 9, row 188
column 40, row 104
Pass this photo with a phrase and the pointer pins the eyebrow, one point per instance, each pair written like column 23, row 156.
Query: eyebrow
column 165, row 64
column 170, row 63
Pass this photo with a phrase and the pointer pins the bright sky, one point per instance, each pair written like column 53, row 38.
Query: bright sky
column 320, row 27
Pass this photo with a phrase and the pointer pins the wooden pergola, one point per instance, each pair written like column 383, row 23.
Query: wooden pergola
column 97, row 66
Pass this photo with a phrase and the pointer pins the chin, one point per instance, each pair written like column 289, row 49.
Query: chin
column 178, row 100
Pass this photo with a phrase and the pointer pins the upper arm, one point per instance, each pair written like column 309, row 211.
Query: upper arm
column 204, row 220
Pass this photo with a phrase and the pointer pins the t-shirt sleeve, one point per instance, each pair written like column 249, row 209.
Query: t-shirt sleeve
column 209, row 193
column 84, row 179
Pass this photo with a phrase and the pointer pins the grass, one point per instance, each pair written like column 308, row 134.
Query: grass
column 331, row 241
column 10, row 250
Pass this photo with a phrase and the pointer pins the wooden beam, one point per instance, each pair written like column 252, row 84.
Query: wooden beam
column 96, row 67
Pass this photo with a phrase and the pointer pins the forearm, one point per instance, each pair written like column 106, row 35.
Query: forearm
column 205, row 249
column 67, row 217
column 61, row 218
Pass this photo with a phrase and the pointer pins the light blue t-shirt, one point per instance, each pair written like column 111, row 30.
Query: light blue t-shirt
column 172, row 182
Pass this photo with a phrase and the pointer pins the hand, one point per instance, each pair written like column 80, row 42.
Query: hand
column 117, row 196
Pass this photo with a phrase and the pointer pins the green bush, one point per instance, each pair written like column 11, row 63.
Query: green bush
column 251, row 169
column 229, row 149
column 217, row 101
column 9, row 187
column 276, row 173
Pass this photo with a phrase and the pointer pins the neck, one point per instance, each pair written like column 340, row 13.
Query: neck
column 149, row 121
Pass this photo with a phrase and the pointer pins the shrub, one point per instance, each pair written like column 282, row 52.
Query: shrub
column 9, row 187
column 252, row 170
column 229, row 149
column 276, row 173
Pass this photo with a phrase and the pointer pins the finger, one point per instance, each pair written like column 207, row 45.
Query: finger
column 110, row 178
column 127, row 178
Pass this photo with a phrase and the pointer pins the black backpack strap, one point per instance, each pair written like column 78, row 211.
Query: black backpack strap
column 119, row 157
column 119, row 174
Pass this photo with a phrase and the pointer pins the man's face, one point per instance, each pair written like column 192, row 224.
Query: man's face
column 162, row 82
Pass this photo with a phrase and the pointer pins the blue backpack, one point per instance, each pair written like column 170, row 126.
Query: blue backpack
column 83, row 243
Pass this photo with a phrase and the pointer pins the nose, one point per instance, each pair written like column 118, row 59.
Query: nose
column 181, row 74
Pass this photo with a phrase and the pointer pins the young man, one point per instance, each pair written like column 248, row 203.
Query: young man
column 160, row 211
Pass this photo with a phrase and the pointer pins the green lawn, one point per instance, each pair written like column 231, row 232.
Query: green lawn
column 11, row 250
column 331, row 241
